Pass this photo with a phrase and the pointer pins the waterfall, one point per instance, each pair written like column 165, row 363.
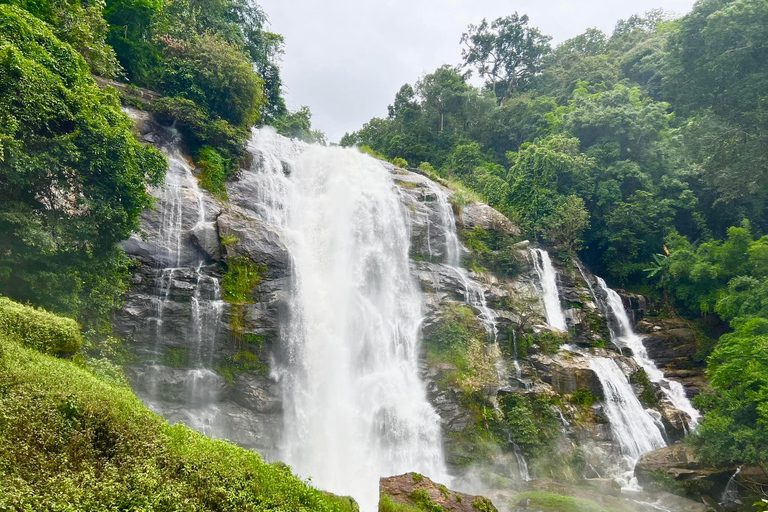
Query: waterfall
column 355, row 408
column 634, row 429
column 624, row 336
column 549, row 294
column 186, row 389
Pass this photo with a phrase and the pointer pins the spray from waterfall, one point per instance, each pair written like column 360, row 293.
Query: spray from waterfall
column 354, row 407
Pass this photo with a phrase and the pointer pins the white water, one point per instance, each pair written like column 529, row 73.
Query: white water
column 634, row 429
column 183, row 394
column 625, row 336
column 354, row 407
column 549, row 294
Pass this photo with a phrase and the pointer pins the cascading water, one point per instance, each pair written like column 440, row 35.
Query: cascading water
column 549, row 294
column 193, row 389
column 633, row 427
column 354, row 407
column 623, row 335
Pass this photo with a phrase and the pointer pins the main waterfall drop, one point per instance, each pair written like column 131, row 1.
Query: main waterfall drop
column 355, row 408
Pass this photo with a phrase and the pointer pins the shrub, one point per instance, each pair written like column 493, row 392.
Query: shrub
column 213, row 171
column 583, row 398
column 39, row 329
column 400, row 162
column 69, row 441
column 242, row 277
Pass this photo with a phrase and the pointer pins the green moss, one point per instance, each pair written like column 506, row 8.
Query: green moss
column 648, row 395
column 492, row 250
column 448, row 340
column 548, row 343
column 242, row 362
column 550, row 502
column 229, row 240
column 214, row 170
column 176, row 357
column 69, row 441
column 406, row 184
column 424, row 502
column 39, row 329
column 583, row 398
column 242, row 277
column 417, row 478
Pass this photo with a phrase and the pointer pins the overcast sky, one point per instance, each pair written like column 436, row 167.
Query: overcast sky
column 346, row 59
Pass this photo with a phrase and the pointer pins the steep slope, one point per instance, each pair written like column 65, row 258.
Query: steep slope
column 71, row 441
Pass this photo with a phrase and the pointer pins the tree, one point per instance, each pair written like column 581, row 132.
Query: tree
column 444, row 92
column 74, row 177
column 298, row 125
column 735, row 425
column 506, row 52
column 566, row 226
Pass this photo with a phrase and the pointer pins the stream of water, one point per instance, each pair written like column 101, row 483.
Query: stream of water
column 355, row 408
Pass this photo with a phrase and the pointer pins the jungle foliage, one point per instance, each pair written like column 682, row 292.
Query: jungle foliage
column 643, row 150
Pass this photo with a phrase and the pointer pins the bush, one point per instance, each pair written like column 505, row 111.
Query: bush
column 39, row 329
column 400, row 162
column 242, row 277
column 213, row 171
column 69, row 441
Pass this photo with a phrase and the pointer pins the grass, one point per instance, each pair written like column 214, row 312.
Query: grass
column 559, row 503
column 386, row 504
column 70, row 441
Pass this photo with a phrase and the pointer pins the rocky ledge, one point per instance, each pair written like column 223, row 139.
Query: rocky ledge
column 415, row 492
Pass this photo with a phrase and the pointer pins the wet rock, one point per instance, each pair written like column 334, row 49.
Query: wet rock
column 254, row 240
column 414, row 489
column 567, row 372
column 205, row 236
column 485, row 217
column 679, row 466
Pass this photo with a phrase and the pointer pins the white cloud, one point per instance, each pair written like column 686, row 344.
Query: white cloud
column 347, row 59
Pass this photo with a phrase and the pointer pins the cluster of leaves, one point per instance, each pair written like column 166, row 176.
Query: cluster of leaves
column 242, row 277
column 604, row 144
column 531, row 423
column 492, row 250
column 74, row 177
column 71, row 441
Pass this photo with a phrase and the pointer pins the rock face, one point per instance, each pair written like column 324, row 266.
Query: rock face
column 421, row 492
column 678, row 466
column 206, row 361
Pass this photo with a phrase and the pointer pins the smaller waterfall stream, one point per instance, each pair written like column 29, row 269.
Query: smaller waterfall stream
column 549, row 294
column 180, row 383
column 624, row 336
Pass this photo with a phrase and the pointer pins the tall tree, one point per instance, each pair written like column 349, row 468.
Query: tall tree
column 506, row 52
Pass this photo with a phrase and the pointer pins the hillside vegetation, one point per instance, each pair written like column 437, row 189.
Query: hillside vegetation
column 643, row 150
column 70, row 441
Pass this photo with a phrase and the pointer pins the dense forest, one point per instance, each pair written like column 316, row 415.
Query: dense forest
column 644, row 150
column 215, row 65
